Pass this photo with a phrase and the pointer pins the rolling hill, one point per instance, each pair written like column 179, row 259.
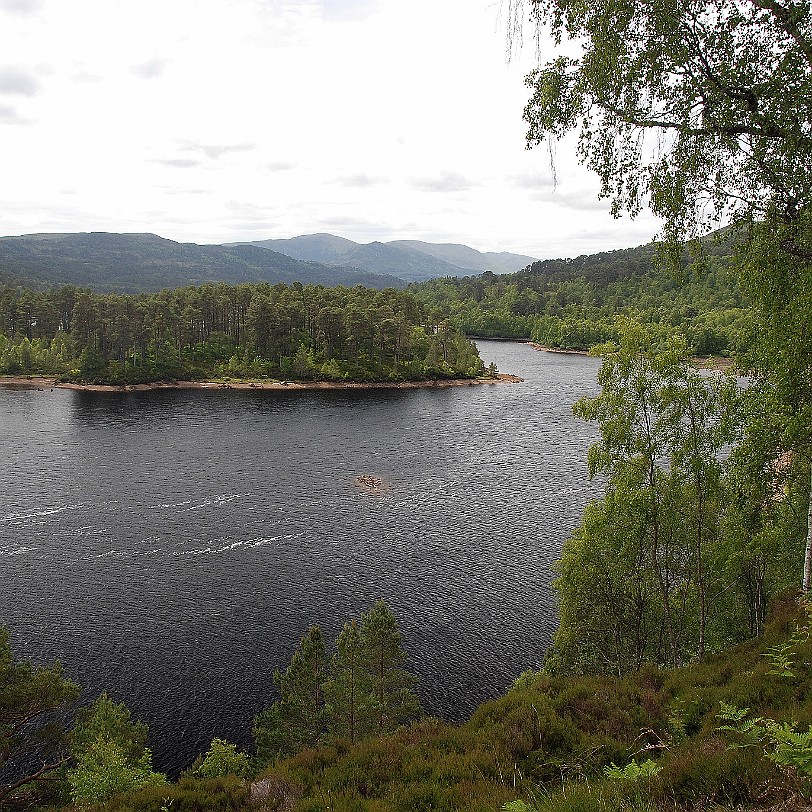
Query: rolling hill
column 134, row 263
column 469, row 258
column 411, row 260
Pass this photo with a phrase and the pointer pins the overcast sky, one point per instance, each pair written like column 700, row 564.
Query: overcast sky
column 221, row 120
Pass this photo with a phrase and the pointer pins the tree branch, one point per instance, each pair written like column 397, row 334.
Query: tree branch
column 787, row 22
column 770, row 131
column 37, row 776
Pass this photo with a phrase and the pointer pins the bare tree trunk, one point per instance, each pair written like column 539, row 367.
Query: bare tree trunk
column 808, row 552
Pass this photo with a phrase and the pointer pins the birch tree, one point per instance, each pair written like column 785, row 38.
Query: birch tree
column 700, row 110
column 110, row 754
column 635, row 578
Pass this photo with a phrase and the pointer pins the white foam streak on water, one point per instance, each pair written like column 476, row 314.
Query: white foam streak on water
column 172, row 547
column 21, row 518
column 9, row 550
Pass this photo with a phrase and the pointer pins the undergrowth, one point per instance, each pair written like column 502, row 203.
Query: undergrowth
column 652, row 740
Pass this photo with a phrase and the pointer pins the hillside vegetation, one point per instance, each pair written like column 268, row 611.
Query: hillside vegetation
column 574, row 303
column 547, row 731
column 135, row 263
column 681, row 740
column 243, row 331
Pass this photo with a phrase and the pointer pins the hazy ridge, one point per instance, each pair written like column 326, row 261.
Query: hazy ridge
column 412, row 260
column 136, row 263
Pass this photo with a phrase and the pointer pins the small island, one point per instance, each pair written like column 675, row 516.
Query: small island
column 370, row 484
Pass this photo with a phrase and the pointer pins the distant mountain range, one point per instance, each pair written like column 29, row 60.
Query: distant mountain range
column 411, row 260
column 133, row 263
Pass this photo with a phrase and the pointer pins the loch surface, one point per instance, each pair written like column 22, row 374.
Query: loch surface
column 171, row 547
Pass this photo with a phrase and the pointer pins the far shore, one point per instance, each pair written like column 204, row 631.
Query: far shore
column 37, row 382
column 706, row 362
column 542, row 348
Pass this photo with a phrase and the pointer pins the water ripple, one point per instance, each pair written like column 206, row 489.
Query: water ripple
column 172, row 547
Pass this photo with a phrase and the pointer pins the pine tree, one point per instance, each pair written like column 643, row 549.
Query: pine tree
column 33, row 704
column 296, row 719
column 350, row 701
column 395, row 702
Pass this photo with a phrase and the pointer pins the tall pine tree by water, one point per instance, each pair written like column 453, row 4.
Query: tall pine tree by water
column 296, row 719
column 395, row 702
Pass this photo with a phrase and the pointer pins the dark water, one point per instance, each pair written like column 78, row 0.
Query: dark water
column 172, row 547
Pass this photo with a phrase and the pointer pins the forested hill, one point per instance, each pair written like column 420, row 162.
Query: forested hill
column 137, row 263
column 601, row 268
column 606, row 267
column 412, row 260
column 574, row 303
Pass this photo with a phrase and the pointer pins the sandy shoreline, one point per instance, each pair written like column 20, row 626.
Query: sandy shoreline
column 36, row 382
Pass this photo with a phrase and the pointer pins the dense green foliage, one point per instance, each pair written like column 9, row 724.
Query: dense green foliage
column 699, row 110
column 574, row 304
column 246, row 331
column 33, row 741
column 296, row 720
column 692, row 537
column 361, row 691
column 109, row 753
column 221, row 759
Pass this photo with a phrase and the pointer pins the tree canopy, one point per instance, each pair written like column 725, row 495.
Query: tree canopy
column 243, row 331
column 362, row 690
column 700, row 109
column 33, row 741
column 110, row 754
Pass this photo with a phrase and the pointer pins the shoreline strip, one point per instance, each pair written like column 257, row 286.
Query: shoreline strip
column 41, row 382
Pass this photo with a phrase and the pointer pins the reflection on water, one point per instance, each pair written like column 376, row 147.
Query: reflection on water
column 171, row 547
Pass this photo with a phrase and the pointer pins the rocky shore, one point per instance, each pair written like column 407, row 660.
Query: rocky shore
column 35, row 382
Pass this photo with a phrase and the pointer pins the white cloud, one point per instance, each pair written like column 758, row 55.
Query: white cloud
column 151, row 69
column 10, row 115
column 177, row 163
column 279, row 166
column 444, row 182
column 199, row 121
column 20, row 7
column 18, row 81
column 215, row 151
column 360, row 180
column 347, row 10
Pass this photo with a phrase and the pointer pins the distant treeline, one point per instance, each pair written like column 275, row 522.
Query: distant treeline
column 242, row 331
column 574, row 303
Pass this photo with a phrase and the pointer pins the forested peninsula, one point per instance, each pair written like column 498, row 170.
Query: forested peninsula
column 304, row 333
column 574, row 304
